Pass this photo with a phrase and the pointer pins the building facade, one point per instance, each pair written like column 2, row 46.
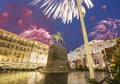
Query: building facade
column 19, row 52
column 96, row 48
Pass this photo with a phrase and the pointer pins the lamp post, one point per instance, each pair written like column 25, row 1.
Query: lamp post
column 87, row 47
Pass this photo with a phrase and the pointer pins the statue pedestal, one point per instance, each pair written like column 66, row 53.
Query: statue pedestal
column 57, row 60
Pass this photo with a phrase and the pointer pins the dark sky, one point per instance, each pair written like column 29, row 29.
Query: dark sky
column 17, row 16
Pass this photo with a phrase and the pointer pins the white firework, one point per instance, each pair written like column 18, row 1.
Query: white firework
column 63, row 9
column 34, row 2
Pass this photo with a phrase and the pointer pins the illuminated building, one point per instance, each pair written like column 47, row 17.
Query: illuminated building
column 19, row 52
column 96, row 47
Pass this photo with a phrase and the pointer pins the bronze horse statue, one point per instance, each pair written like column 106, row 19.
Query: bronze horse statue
column 57, row 38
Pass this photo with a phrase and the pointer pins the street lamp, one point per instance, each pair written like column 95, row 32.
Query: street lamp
column 87, row 47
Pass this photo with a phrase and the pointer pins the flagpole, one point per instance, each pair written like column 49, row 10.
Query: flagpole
column 87, row 47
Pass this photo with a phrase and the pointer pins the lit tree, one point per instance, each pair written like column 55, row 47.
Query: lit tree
column 66, row 10
column 113, row 57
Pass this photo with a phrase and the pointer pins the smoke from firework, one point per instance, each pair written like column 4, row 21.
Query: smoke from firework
column 37, row 34
column 106, row 29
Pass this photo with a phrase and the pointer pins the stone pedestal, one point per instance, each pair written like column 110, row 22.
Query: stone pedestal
column 57, row 60
column 56, row 78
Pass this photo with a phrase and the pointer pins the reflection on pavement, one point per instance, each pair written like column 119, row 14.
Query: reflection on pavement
column 41, row 78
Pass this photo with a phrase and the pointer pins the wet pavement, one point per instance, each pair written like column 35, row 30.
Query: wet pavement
column 41, row 78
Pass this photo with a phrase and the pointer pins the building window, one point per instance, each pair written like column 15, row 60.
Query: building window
column 0, row 51
column 13, row 40
column 3, row 44
column 12, row 46
column 0, row 34
column 12, row 60
column 10, row 53
column 2, row 59
column 18, row 55
column 20, row 48
column 14, row 53
column 6, row 52
column 8, row 60
column 8, row 45
column 24, row 49
column 27, row 49
column 17, row 61
column 37, row 51
column 22, row 56
column 44, row 49
column 16, row 47
column 0, row 44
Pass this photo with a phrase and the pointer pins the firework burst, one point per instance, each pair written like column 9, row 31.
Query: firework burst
column 106, row 29
column 37, row 34
column 63, row 9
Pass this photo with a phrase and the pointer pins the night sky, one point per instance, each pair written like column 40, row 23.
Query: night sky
column 17, row 16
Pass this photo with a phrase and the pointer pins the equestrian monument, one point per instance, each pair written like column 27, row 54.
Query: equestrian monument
column 57, row 61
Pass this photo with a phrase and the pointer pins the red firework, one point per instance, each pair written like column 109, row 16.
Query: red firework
column 27, row 12
column 103, row 7
column 106, row 29
column 5, row 14
column 92, row 18
column 20, row 22
column 37, row 34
